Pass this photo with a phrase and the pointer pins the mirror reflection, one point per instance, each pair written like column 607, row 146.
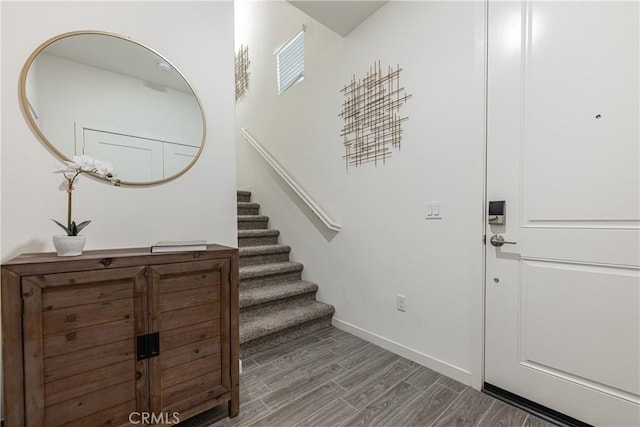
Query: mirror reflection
column 111, row 98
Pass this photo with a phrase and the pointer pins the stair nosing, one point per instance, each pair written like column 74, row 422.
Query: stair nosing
column 258, row 232
column 251, row 218
column 264, row 250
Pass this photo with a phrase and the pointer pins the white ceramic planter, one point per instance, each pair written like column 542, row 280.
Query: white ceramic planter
column 69, row 245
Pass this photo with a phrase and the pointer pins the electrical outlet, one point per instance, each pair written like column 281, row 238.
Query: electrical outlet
column 400, row 303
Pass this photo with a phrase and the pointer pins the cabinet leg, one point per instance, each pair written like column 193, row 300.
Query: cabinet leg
column 234, row 405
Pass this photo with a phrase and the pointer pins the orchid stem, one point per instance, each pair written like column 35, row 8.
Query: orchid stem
column 69, row 190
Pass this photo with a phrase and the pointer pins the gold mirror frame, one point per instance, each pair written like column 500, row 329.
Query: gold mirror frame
column 51, row 146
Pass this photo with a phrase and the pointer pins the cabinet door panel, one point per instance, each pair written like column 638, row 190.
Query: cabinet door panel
column 87, row 382
column 77, row 339
column 80, row 316
column 172, row 280
column 86, row 294
column 189, row 298
column 72, row 410
column 71, row 364
column 79, row 335
column 173, row 319
column 175, row 377
column 117, row 415
column 189, row 305
column 180, row 354
column 199, row 402
column 194, row 333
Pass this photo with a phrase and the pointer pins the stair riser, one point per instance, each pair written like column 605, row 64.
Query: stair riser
column 278, row 305
column 273, row 340
column 243, row 197
column 270, row 280
column 257, row 241
column 244, row 210
column 252, row 225
column 264, row 259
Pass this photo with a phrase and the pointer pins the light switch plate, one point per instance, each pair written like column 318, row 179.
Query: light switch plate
column 434, row 210
column 400, row 303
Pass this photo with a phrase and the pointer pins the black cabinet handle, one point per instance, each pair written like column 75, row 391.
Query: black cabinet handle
column 148, row 346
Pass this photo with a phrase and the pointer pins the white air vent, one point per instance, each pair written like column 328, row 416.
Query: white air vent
column 290, row 62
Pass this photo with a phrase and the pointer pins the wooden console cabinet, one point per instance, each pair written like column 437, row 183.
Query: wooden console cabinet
column 93, row 339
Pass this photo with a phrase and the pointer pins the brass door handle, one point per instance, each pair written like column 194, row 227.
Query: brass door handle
column 498, row 241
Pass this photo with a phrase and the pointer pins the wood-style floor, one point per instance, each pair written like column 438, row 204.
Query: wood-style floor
column 332, row 378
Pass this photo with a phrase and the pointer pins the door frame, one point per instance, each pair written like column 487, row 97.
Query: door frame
column 478, row 306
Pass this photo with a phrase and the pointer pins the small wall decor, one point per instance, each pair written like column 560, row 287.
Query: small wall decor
column 371, row 113
column 242, row 72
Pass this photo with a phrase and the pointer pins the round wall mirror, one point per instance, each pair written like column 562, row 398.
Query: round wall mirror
column 106, row 96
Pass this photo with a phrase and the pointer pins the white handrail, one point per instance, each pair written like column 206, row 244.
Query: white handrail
column 326, row 219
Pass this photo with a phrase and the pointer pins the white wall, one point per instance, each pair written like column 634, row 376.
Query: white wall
column 199, row 204
column 386, row 247
column 198, row 38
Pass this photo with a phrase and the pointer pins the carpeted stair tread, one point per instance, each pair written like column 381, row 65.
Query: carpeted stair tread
column 258, row 324
column 248, row 205
column 243, row 196
column 263, row 253
column 257, row 233
column 264, row 294
column 252, row 222
column 276, row 305
column 261, row 270
column 263, row 250
column 251, row 218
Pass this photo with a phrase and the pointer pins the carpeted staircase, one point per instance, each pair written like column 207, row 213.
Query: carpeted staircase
column 276, row 305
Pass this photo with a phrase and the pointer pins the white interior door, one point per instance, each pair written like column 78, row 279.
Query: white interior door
column 177, row 157
column 562, row 304
column 134, row 158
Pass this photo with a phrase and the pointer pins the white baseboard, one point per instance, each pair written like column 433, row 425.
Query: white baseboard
column 430, row 362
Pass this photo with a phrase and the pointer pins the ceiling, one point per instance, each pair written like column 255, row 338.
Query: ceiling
column 118, row 55
column 340, row 16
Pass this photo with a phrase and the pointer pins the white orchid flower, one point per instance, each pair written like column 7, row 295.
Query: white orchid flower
column 63, row 169
column 84, row 162
column 103, row 168
column 87, row 164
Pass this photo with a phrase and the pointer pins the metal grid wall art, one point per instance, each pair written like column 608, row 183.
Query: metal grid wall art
column 371, row 113
column 242, row 72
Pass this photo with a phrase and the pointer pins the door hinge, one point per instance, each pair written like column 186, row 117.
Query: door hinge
column 148, row 346
column 484, row 239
